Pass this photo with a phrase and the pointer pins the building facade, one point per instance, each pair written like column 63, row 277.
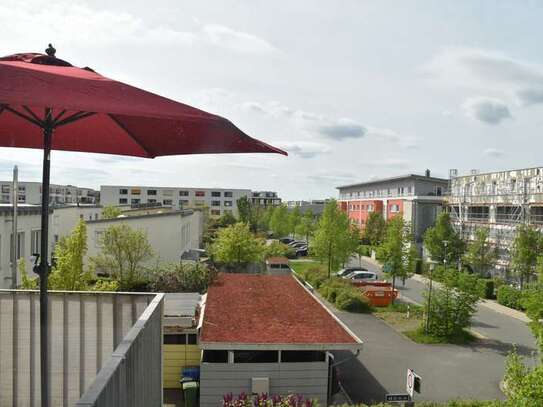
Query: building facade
column 170, row 233
column 218, row 200
column 265, row 198
column 499, row 201
column 30, row 193
column 418, row 198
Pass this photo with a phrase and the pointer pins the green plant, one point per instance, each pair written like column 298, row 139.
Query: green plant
column 103, row 284
column 442, row 241
column 487, row 287
column 509, row 296
column 524, row 253
column 110, row 212
column 523, row 385
column 235, row 246
column 352, row 300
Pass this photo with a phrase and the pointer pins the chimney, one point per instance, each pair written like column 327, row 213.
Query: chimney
column 427, row 173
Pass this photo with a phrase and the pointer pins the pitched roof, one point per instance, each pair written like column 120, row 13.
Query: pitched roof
column 246, row 311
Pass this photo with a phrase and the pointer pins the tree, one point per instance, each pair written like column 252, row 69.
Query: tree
column 333, row 239
column 226, row 219
column 123, row 254
column 279, row 221
column 277, row 248
column 69, row 272
column 307, row 225
column 110, row 212
column 263, row 218
column 443, row 243
column 481, row 254
column 524, row 253
column 294, row 218
column 375, row 230
column 181, row 277
column 245, row 210
column 235, row 246
column 396, row 248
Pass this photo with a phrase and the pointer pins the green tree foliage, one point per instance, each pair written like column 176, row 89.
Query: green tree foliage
column 124, row 251
column 27, row 282
column 524, row 252
column 523, row 385
column 110, row 212
column 443, row 242
column 307, row 225
column 396, row 248
column 263, row 218
column 294, row 218
column 375, row 230
column 69, row 272
column 333, row 238
column 245, row 210
column 183, row 277
column 235, row 246
column 277, row 248
column 453, row 303
column 226, row 219
column 481, row 254
column 279, row 223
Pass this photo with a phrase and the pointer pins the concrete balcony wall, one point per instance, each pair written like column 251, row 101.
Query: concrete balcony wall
column 85, row 328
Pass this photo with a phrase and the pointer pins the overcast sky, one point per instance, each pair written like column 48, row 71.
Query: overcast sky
column 353, row 90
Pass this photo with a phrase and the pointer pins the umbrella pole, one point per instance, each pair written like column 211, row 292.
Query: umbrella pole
column 44, row 265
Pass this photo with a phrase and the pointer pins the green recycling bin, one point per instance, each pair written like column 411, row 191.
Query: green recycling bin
column 190, row 393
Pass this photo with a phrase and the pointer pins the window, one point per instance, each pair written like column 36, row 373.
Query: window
column 5, row 189
column 167, row 202
column 395, row 208
column 215, row 356
column 35, row 241
column 123, row 201
column 20, row 246
column 215, row 203
column 135, row 191
column 98, row 237
column 95, row 216
column 150, row 200
column 215, row 212
column 256, row 356
column 409, row 190
column 192, row 339
column 438, row 191
column 151, row 192
column 123, row 191
column 180, row 339
column 200, row 193
column 134, row 201
column 296, row 356
column 228, row 194
column 227, row 203
column 183, row 202
column 370, row 208
column 183, row 193
column 21, row 198
column 216, row 194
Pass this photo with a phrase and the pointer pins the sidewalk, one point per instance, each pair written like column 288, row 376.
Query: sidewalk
column 491, row 304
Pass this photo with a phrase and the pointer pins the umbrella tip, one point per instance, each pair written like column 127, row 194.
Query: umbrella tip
column 51, row 50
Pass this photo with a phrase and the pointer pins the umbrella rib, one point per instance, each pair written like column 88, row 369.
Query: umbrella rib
column 132, row 136
column 38, row 123
column 56, row 119
column 74, row 117
column 31, row 113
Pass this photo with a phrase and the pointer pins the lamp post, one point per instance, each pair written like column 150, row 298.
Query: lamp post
column 427, row 322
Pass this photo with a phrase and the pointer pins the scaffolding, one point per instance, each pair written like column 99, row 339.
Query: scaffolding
column 499, row 201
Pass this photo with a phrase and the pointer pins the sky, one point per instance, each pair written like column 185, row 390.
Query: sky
column 354, row 90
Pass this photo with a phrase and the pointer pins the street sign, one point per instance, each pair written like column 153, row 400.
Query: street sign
column 413, row 382
column 397, row 398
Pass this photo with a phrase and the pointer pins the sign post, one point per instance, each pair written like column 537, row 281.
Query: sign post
column 413, row 382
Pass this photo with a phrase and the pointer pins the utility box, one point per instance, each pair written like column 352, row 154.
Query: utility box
column 260, row 385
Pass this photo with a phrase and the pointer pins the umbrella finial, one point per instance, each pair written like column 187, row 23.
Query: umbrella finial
column 51, row 50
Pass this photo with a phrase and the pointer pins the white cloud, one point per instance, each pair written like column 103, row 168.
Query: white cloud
column 493, row 152
column 332, row 178
column 488, row 110
column 303, row 149
column 237, row 41
column 341, row 129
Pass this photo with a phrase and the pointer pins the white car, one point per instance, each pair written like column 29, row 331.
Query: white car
column 363, row 276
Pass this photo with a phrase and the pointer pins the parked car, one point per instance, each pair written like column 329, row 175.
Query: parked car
column 349, row 270
column 363, row 276
column 299, row 245
column 286, row 240
column 294, row 242
column 302, row 252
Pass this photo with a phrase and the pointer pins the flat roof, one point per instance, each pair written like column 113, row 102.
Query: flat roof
column 277, row 260
column 248, row 311
column 397, row 178
column 181, row 304
column 121, row 218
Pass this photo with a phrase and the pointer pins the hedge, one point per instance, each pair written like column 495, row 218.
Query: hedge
column 510, row 297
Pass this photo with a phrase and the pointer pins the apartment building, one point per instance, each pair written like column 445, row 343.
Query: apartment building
column 30, row 193
column 418, row 198
column 218, row 200
column 499, row 201
column 265, row 198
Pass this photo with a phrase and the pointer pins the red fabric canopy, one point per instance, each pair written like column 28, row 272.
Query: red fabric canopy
column 127, row 120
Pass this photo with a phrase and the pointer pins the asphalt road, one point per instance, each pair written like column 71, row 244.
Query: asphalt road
column 448, row 371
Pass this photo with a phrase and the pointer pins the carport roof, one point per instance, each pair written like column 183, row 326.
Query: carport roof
column 247, row 311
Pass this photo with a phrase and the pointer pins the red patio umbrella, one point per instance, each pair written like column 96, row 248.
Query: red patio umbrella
column 47, row 103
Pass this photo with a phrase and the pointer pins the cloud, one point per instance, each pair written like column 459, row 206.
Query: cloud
column 304, row 149
column 488, row 110
column 493, row 153
column 254, row 107
column 237, row 41
column 331, row 177
column 342, row 129
column 529, row 96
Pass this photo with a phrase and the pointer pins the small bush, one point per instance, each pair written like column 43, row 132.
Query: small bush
column 487, row 287
column 352, row 301
column 510, row 297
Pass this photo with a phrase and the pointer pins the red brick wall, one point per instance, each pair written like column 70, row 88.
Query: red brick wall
column 357, row 210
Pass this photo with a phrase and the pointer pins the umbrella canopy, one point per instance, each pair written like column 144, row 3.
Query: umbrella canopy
column 118, row 118
column 47, row 103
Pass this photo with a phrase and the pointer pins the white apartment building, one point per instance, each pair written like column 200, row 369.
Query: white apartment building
column 30, row 193
column 169, row 233
column 28, row 239
column 265, row 198
column 218, row 200
column 65, row 218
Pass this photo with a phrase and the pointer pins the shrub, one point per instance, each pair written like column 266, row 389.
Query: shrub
column 332, row 288
column 351, row 300
column 509, row 296
column 183, row 277
column 487, row 287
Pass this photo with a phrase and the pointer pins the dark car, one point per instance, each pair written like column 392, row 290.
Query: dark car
column 302, row 252
column 286, row 240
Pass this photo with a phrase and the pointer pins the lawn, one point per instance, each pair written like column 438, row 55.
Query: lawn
column 396, row 316
column 301, row 266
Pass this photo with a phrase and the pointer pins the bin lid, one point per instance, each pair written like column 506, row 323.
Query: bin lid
column 191, row 385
